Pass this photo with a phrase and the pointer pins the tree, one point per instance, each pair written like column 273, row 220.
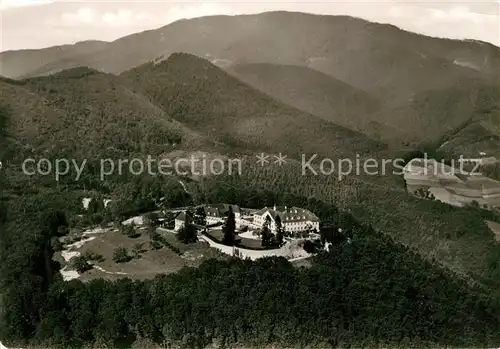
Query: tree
column 81, row 264
column 56, row 244
column 151, row 220
column 118, row 210
column 137, row 250
column 54, row 223
column 309, row 246
column 96, row 205
column 93, row 257
column 335, row 236
column 229, row 228
column 155, row 240
column 200, row 217
column 120, row 255
column 474, row 204
column 169, row 220
column 266, row 235
column 188, row 234
column 308, row 230
column 129, row 230
column 279, row 231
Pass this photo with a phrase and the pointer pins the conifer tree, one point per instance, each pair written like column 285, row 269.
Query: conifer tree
column 187, row 233
column 229, row 228
column 279, row 231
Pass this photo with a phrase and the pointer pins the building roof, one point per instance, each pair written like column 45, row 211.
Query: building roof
column 212, row 212
column 235, row 208
column 289, row 214
column 220, row 210
column 261, row 211
column 181, row 216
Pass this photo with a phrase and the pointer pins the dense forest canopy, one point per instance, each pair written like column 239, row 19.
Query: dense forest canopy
column 368, row 291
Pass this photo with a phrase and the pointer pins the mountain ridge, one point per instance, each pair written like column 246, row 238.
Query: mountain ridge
column 227, row 44
column 89, row 111
column 196, row 92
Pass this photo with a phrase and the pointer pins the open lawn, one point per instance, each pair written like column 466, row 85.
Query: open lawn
column 149, row 263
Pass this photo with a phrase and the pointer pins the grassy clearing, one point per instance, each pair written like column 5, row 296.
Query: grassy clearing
column 150, row 261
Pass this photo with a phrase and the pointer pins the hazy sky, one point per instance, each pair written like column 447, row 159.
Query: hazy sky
column 42, row 23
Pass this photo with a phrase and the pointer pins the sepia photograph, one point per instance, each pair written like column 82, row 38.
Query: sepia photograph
column 214, row 174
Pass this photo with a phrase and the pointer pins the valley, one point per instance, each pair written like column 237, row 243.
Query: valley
column 452, row 185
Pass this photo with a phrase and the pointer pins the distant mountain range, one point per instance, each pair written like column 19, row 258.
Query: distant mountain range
column 396, row 87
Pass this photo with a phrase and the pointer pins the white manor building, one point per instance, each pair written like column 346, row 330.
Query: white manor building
column 218, row 213
column 293, row 219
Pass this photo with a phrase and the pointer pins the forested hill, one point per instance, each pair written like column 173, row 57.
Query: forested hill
column 367, row 292
column 430, row 115
column 185, row 104
column 87, row 114
column 316, row 93
column 196, row 92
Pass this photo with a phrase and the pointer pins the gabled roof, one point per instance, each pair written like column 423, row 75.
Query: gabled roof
column 220, row 210
column 289, row 214
column 236, row 208
column 181, row 216
column 212, row 212
column 261, row 211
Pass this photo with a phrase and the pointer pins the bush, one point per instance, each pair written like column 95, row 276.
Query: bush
column 172, row 247
column 137, row 250
column 94, row 257
column 151, row 220
column 155, row 245
column 158, row 241
column 81, row 264
column 120, row 255
column 310, row 247
column 96, row 218
column 130, row 231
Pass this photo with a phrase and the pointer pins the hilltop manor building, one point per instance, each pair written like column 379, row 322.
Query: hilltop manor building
column 293, row 219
